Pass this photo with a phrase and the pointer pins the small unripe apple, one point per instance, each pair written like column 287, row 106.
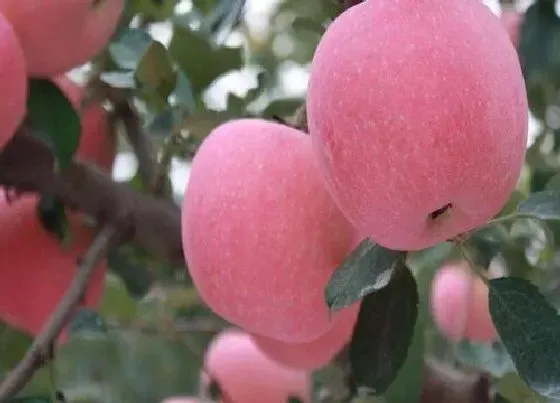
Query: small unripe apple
column 313, row 354
column 459, row 303
column 418, row 115
column 97, row 143
column 245, row 375
column 13, row 82
column 57, row 35
column 36, row 268
column 261, row 234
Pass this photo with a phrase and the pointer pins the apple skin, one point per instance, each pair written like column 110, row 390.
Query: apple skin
column 247, row 375
column 13, row 81
column 412, row 106
column 98, row 143
column 57, row 35
column 36, row 268
column 260, row 232
column 456, row 292
column 315, row 354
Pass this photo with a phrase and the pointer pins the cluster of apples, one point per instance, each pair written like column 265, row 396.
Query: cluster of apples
column 45, row 39
column 418, row 121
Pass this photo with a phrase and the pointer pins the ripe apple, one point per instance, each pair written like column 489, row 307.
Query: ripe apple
column 36, row 268
column 512, row 20
column 459, row 303
column 13, row 81
column 313, row 354
column 244, row 374
column 59, row 35
column 260, row 232
column 98, row 143
column 418, row 116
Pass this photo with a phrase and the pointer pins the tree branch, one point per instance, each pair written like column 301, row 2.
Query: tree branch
column 26, row 164
column 36, row 355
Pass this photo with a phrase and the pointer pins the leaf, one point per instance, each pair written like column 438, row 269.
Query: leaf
column 513, row 389
column 183, row 93
column 309, row 25
column 159, row 10
column 199, row 60
column 367, row 269
column 543, row 205
column 32, row 399
column 52, row 215
column 492, row 358
column 54, row 119
column 383, row 333
column 87, row 320
column 528, row 327
column 129, row 49
column 155, row 71
column 116, row 303
column 133, row 273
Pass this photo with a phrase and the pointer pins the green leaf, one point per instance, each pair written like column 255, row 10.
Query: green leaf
column 32, row 399
column 528, row 327
column 52, row 215
column 199, row 59
column 383, row 333
column 155, row 71
column 367, row 269
column 513, row 389
column 543, row 205
column 130, row 48
column 309, row 25
column 492, row 358
column 54, row 119
column 159, row 10
column 116, row 303
column 87, row 320
column 183, row 93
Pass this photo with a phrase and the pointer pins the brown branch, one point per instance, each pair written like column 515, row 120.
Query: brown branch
column 26, row 164
column 140, row 142
column 38, row 353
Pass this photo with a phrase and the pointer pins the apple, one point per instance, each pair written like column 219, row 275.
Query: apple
column 417, row 111
column 97, row 143
column 512, row 20
column 244, row 374
column 13, row 80
column 36, row 268
column 59, row 35
column 260, row 232
column 314, row 354
column 459, row 302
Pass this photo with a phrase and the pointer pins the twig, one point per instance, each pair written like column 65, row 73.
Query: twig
column 140, row 142
column 26, row 165
column 35, row 356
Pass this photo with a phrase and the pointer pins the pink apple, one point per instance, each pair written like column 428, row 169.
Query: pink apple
column 261, row 234
column 418, row 116
column 459, row 303
column 246, row 375
column 313, row 354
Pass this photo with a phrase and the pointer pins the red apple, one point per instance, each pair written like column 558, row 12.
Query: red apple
column 261, row 234
column 313, row 354
column 36, row 268
column 418, row 116
column 13, row 81
column 245, row 375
